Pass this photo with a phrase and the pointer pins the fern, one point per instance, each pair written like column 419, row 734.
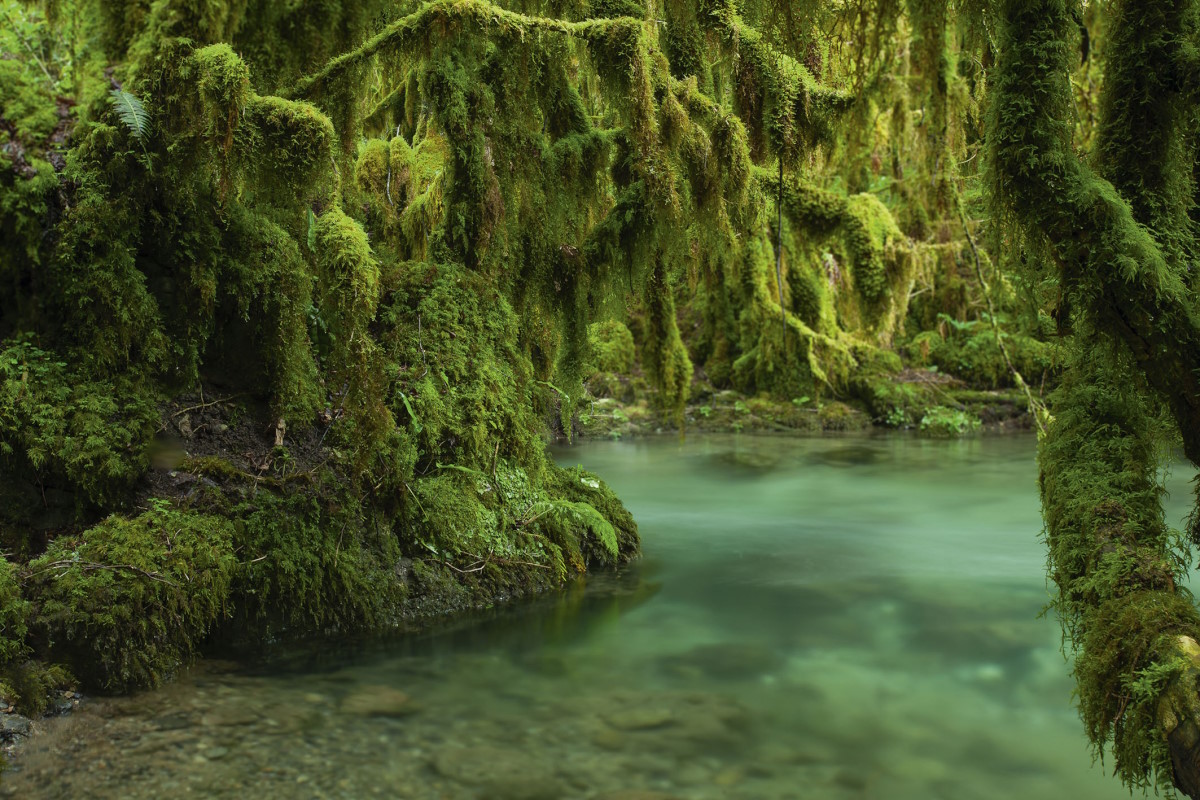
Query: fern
column 584, row 515
column 132, row 113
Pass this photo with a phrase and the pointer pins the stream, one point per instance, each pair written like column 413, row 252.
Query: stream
column 837, row 617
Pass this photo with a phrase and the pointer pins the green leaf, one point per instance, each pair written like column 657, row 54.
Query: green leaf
column 132, row 113
column 408, row 407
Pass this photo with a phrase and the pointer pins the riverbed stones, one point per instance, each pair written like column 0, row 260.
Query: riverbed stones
column 498, row 773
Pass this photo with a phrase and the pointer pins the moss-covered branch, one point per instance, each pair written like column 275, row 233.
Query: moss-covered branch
column 1113, row 266
column 439, row 20
column 1116, row 566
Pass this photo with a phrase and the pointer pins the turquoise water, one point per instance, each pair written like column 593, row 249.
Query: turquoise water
column 814, row 618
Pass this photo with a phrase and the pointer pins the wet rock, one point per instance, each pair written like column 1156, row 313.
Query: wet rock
column 848, row 456
column 174, row 722
column 641, row 719
column 63, row 704
column 608, row 739
column 216, row 753
column 499, row 774
column 12, row 726
column 230, row 716
column 378, row 701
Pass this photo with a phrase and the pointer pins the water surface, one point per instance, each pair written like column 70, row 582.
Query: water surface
column 814, row 618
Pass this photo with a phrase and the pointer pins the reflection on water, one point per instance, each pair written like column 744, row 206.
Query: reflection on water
column 822, row 618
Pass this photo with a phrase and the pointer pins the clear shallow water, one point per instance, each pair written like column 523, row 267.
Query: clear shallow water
column 814, row 618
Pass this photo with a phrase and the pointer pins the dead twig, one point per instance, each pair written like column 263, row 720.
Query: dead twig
column 91, row 566
column 216, row 402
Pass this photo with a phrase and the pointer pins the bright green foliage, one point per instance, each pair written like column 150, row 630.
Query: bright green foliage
column 462, row 390
column 384, row 230
column 611, row 346
column 940, row 422
column 131, row 599
column 132, row 113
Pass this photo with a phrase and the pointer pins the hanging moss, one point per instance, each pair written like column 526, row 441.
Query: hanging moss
column 612, row 346
column 1143, row 302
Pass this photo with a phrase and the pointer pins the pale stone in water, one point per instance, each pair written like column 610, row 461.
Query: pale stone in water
column 499, row 774
column 378, row 701
column 641, row 719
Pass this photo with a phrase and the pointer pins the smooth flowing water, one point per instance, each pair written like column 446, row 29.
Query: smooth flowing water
column 813, row 618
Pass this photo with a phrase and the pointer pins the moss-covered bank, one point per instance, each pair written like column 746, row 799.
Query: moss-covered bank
column 293, row 293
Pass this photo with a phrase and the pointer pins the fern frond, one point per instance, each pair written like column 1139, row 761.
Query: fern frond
column 583, row 515
column 132, row 113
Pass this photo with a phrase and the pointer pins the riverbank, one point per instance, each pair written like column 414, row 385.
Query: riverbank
column 809, row 611
column 215, row 458
column 926, row 402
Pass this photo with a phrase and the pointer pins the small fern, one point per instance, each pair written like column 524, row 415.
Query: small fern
column 586, row 516
column 132, row 113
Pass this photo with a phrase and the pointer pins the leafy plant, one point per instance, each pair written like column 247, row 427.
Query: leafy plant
column 950, row 423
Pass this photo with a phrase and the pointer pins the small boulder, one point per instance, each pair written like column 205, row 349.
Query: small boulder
column 641, row 719
column 12, row 726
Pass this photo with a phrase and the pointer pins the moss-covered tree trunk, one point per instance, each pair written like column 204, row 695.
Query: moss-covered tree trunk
column 1122, row 243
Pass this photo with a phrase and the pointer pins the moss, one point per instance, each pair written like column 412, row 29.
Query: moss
column 872, row 231
column 267, row 297
column 288, row 145
column 463, row 385
column 1041, row 183
column 940, row 422
column 31, row 686
column 969, row 351
column 15, row 612
column 307, row 564
column 28, row 103
column 1114, row 562
column 579, row 486
column 130, row 600
column 60, row 429
column 349, row 296
column 611, row 346
column 224, row 87
column 25, row 683
column 837, row 416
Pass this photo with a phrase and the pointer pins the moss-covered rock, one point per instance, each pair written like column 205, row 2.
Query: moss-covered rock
column 129, row 601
